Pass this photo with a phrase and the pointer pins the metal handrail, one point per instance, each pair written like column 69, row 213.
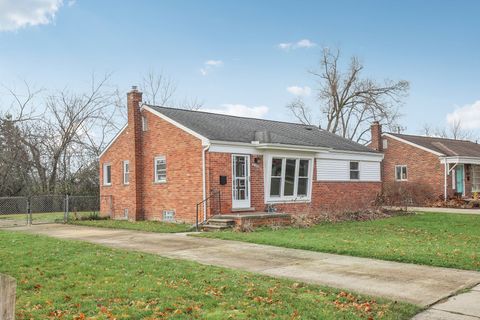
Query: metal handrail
column 214, row 193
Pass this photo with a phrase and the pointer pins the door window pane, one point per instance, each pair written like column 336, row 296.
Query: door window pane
column 239, row 166
column 288, row 187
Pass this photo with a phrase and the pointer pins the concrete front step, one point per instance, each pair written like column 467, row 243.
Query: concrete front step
column 215, row 227
column 221, row 222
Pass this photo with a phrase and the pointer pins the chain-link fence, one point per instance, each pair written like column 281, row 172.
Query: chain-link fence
column 17, row 211
column 13, row 211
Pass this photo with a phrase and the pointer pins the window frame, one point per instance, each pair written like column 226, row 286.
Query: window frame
column 350, row 170
column 144, row 123
column 475, row 173
column 268, row 179
column 105, row 166
column 126, row 173
column 156, row 161
column 401, row 166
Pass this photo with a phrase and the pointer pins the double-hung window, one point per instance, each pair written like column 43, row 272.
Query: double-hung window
column 160, row 169
column 126, row 172
column 107, row 174
column 354, row 170
column 144, row 124
column 289, row 178
column 401, row 173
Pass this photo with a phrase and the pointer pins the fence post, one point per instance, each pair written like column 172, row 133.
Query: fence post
column 8, row 287
column 29, row 211
column 65, row 214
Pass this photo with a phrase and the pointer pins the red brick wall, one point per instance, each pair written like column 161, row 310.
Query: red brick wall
column 183, row 152
column 338, row 196
column 183, row 188
column 128, row 146
column 220, row 164
column 123, row 196
column 423, row 168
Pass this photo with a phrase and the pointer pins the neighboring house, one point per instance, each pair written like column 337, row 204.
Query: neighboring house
column 165, row 161
column 444, row 167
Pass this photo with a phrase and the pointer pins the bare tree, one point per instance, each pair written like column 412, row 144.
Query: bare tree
column 454, row 130
column 348, row 102
column 158, row 89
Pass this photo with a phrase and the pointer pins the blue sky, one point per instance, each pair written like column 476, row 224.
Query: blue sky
column 227, row 54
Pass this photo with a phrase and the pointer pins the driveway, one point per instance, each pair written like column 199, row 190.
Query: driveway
column 420, row 285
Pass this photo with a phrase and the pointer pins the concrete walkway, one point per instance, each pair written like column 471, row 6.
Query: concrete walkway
column 421, row 285
column 465, row 306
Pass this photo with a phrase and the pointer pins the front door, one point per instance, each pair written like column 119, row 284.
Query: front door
column 459, row 178
column 240, row 181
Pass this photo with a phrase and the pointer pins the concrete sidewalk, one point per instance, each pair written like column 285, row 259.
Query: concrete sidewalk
column 421, row 285
column 465, row 306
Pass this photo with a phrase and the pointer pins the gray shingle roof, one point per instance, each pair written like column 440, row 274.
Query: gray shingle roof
column 241, row 129
column 448, row 147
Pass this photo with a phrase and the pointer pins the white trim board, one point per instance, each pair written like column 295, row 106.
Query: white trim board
column 460, row 160
column 412, row 144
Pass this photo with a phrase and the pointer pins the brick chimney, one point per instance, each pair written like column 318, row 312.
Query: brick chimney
column 376, row 132
column 134, row 101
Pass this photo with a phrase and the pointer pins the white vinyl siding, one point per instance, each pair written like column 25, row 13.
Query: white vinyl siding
column 369, row 171
column 339, row 170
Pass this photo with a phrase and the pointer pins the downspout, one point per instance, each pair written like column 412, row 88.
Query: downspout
column 204, row 180
column 445, row 182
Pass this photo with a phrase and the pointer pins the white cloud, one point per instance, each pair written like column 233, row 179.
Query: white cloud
column 240, row 110
column 468, row 116
column 285, row 46
column 305, row 43
column 209, row 65
column 299, row 91
column 301, row 44
column 17, row 14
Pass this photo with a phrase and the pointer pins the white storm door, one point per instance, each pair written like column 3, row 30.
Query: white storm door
column 240, row 181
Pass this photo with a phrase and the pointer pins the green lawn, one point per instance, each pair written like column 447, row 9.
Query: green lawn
column 59, row 279
column 42, row 217
column 151, row 226
column 447, row 240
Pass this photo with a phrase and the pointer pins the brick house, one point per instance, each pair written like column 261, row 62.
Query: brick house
column 165, row 161
column 443, row 167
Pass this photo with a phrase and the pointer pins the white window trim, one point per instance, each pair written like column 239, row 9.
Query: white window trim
column 268, row 176
column 475, row 178
column 350, row 171
column 155, row 176
column 144, row 123
column 395, row 172
column 105, row 165
column 126, row 173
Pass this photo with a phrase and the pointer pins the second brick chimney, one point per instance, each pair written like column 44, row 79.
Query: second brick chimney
column 376, row 132
column 134, row 101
